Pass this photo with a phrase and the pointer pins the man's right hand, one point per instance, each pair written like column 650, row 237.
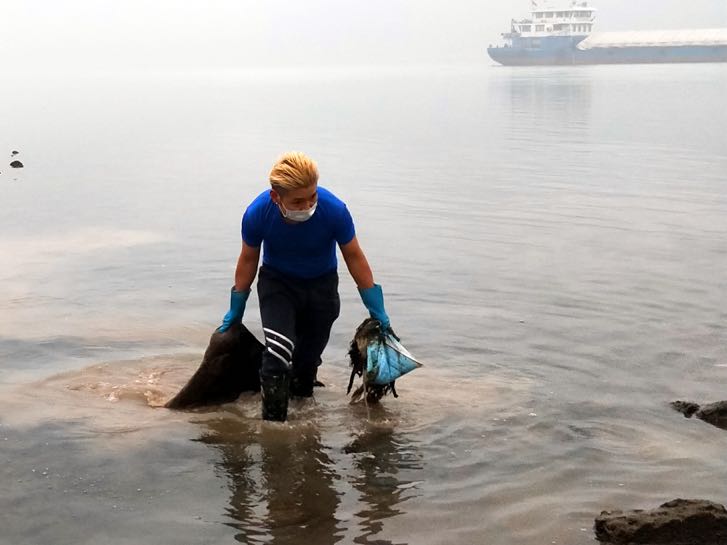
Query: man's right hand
column 237, row 309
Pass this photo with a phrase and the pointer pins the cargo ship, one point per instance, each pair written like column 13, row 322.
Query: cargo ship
column 565, row 36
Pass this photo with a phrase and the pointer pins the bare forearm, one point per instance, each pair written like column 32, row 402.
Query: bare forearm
column 244, row 276
column 357, row 264
column 360, row 271
column 246, row 269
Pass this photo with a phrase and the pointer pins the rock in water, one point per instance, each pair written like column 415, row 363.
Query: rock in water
column 16, row 164
column 231, row 365
column 687, row 408
column 678, row 522
column 712, row 413
column 14, row 153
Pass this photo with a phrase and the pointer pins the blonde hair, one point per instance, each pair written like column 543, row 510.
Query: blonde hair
column 293, row 170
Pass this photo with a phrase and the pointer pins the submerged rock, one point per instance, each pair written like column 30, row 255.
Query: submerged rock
column 678, row 522
column 713, row 413
column 16, row 164
column 230, row 366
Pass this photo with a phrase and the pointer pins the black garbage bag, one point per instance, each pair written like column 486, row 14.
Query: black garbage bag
column 231, row 365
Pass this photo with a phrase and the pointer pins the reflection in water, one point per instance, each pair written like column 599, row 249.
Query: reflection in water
column 563, row 97
column 549, row 109
column 380, row 454
column 287, row 485
column 282, row 483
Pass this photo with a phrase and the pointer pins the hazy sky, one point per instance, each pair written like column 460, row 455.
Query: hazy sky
column 178, row 34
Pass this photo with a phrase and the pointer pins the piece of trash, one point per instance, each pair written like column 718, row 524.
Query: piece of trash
column 230, row 366
column 388, row 360
column 379, row 358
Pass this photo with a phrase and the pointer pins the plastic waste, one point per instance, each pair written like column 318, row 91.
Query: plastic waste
column 387, row 360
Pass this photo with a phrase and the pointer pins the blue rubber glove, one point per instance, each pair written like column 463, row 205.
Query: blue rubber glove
column 237, row 309
column 373, row 299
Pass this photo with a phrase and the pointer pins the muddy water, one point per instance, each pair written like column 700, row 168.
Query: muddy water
column 100, row 450
column 551, row 243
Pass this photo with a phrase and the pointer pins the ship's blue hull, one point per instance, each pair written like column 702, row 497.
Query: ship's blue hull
column 511, row 56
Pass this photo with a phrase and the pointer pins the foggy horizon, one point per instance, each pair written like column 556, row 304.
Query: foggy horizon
column 106, row 36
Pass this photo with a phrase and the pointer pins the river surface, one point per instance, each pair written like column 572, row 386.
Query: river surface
column 552, row 244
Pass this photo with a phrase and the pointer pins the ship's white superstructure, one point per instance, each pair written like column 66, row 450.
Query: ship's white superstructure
column 577, row 20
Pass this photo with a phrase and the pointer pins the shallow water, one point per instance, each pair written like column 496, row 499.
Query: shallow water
column 552, row 243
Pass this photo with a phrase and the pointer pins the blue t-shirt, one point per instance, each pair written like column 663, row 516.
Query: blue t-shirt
column 302, row 250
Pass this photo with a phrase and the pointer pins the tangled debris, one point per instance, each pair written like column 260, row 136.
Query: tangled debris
column 231, row 365
column 368, row 331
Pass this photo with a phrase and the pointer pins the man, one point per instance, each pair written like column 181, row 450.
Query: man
column 298, row 225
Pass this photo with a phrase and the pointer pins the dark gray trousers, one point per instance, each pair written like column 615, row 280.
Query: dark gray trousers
column 297, row 316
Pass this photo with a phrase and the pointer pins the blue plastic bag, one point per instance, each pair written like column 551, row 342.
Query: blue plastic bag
column 387, row 360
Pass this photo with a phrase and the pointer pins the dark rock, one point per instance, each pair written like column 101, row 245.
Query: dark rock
column 230, row 366
column 678, row 522
column 14, row 153
column 16, row 164
column 713, row 413
column 687, row 408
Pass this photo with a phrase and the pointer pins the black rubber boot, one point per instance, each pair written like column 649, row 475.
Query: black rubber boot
column 301, row 386
column 275, row 393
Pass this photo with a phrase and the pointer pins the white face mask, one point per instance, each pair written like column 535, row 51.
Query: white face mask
column 298, row 215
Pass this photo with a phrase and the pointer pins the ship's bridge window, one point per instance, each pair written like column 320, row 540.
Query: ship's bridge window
column 524, row 28
column 539, row 28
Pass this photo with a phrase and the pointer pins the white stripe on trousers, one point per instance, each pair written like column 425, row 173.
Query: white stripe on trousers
column 276, row 343
column 281, row 358
column 273, row 332
column 289, row 361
